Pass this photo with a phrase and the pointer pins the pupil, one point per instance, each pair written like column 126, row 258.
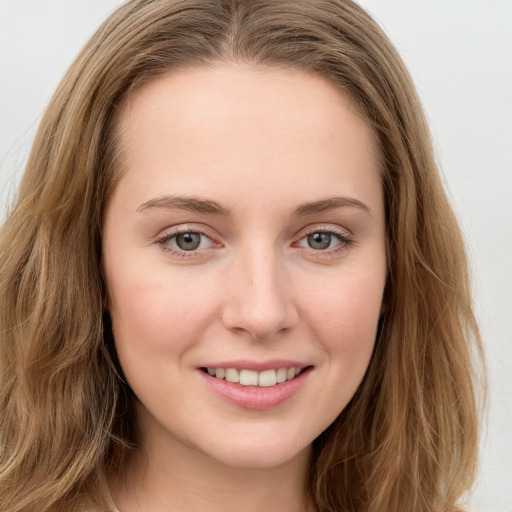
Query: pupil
column 319, row 240
column 188, row 241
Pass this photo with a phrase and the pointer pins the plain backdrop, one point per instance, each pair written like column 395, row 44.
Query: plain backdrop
column 459, row 53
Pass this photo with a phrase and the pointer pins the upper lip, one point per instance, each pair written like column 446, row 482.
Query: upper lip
column 259, row 366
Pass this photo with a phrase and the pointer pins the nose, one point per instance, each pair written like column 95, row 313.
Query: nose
column 260, row 300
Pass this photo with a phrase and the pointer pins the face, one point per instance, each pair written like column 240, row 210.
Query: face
column 244, row 253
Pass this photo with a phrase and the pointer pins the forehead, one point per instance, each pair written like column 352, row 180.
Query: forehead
column 206, row 127
column 241, row 93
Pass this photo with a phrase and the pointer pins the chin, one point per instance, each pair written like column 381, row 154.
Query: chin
column 257, row 454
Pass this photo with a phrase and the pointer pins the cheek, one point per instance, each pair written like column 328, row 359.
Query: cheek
column 155, row 314
column 344, row 317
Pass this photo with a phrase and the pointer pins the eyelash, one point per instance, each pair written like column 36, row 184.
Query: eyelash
column 163, row 242
column 345, row 242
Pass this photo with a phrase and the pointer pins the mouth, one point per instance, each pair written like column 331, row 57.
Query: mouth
column 263, row 379
column 258, row 387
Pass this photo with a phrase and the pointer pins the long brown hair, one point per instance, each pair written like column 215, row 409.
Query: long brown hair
column 407, row 440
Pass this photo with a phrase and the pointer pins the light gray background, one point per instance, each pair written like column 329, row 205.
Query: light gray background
column 460, row 55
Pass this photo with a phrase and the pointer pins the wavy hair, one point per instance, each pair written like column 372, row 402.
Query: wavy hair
column 408, row 438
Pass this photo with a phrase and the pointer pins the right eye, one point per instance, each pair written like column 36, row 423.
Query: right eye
column 183, row 242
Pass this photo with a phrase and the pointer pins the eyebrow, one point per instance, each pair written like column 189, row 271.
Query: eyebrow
column 332, row 203
column 189, row 203
column 208, row 206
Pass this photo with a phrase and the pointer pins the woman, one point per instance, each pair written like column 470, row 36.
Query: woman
column 232, row 277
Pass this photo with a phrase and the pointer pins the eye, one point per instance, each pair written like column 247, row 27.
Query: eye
column 325, row 240
column 185, row 241
column 320, row 241
column 188, row 241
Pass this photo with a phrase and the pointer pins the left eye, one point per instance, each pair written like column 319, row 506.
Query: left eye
column 189, row 241
column 320, row 241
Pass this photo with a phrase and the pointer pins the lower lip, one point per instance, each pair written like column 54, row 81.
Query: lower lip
column 255, row 397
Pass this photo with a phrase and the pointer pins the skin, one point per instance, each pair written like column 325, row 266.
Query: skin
column 260, row 143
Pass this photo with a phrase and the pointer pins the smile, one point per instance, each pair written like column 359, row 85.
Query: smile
column 258, row 387
column 266, row 378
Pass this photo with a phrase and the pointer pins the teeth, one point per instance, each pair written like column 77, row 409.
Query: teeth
column 248, row 378
column 281, row 375
column 266, row 378
column 232, row 375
